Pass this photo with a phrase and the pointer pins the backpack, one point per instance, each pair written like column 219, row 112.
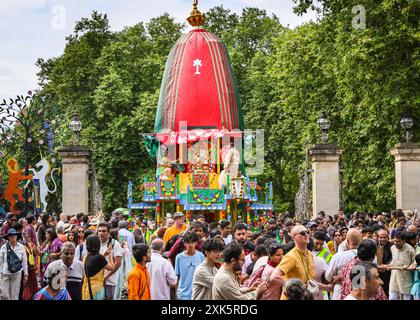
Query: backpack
column 171, row 242
column 14, row 264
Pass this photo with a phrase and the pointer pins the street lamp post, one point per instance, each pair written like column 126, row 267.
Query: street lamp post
column 407, row 124
column 75, row 127
column 324, row 126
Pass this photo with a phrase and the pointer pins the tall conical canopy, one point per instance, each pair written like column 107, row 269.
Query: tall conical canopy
column 198, row 86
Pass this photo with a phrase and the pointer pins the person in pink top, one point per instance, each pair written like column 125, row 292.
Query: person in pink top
column 275, row 254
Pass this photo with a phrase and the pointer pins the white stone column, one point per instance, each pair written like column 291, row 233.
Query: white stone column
column 75, row 188
column 407, row 175
column 325, row 178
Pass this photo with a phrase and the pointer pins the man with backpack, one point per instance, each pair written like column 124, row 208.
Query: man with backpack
column 13, row 261
column 177, row 246
column 107, row 243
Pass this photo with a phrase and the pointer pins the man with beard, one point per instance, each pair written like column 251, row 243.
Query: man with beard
column 384, row 256
column 403, row 264
column 117, row 253
column 240, row 236
column 226, row 286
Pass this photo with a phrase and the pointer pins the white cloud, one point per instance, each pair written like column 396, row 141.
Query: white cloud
column 10, row 6
column 27, row 28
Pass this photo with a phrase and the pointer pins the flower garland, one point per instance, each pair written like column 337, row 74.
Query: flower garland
column 241, row 192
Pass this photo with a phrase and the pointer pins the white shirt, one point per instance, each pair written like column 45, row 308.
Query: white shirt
column 162, row 276
column 77, row 253
column 337, row 263
column 116, row 251
column 320, row 267
column 127, row 236
column 343, row 246
column 20, row 251
column 228, row 239
column 247, row 262
column 74, row 274
column 350, row 297
column 60, row 224
column 260, row 262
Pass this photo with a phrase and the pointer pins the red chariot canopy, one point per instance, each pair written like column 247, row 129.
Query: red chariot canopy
column 198, row 88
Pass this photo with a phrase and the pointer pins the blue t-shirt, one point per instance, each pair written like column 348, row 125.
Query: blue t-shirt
column 184, row 268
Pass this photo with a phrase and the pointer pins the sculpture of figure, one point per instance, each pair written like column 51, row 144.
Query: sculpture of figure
column 12, row 189
column 41, row 175
column 200, row 156
column 166, row 175
column 163, row 163
column 232, row 160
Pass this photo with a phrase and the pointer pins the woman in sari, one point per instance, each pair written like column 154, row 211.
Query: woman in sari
column 50, row 251
column 30, row 287
column 94, row 265
column 275, row 254
column 55, row 276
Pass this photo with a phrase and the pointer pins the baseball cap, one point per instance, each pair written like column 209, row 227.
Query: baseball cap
column 178, row 214
column 312, row 224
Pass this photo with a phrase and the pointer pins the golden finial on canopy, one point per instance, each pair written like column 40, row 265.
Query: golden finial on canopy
column 196, row 18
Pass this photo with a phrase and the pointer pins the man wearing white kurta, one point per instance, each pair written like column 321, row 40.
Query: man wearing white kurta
column 162, row 273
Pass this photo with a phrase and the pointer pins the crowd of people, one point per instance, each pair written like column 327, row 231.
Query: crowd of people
column 361, row 256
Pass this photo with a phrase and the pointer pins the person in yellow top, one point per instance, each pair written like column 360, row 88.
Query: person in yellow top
column 178, row 227
column 297, row 263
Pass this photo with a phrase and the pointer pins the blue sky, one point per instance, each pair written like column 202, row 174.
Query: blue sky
column 30, row 29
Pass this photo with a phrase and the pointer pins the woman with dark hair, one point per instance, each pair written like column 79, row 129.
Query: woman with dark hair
column 275, row 254
column 94, row 266
column 31, row 286
column 43, row 227
column 50, row 250
column 335, row 242
column 80, row 235
column 73, row 237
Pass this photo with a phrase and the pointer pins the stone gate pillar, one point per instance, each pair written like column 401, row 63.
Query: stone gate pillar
column 325, row 178
column 75, row 188
column 407, row 175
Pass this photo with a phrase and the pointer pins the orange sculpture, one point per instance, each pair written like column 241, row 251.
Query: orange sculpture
column 12, row 189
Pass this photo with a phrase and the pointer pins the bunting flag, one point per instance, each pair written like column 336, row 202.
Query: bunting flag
column 49, row 137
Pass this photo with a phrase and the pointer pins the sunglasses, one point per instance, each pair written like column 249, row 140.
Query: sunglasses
column 304, row 233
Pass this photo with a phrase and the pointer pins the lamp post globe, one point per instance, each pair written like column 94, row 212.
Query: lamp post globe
column 407, row 123
column 324, row 126
column 75, row 127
